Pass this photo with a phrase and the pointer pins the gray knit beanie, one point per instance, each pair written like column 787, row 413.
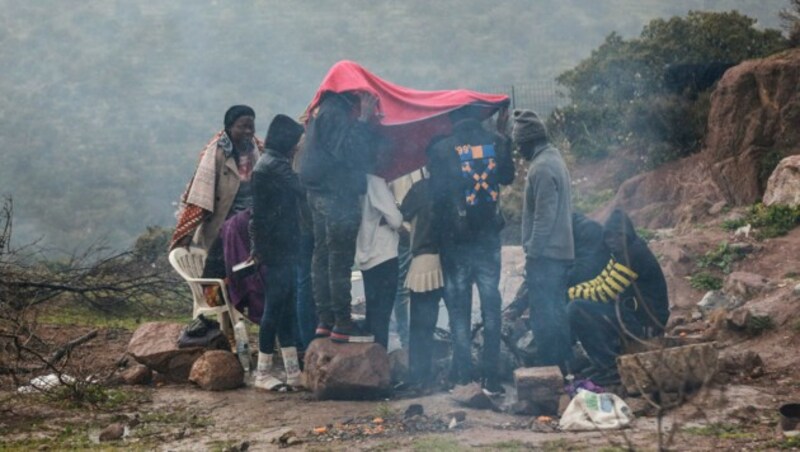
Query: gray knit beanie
column 527, row 127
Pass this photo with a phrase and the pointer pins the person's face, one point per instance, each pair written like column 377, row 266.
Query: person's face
column 243, row 129
column 525, row 150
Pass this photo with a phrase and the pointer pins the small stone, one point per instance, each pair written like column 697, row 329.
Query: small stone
column 292, row 440
column 796, row 290
column 459, row 416
column 738, row 319
column 453, row 424
column 138, row 374
column 112, row 433
column 414, row 410
column 217, row 370
column 697, row 315
column 718, row 299
column 717, row 208
column 746, row 285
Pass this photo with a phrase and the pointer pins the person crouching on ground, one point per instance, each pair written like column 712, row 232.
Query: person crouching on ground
column 376, row 255
column 546, row 239
column 339, row 152
column 626, row 302
column 273, row 230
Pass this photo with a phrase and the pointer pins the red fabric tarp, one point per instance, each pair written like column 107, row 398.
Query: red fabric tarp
column 408, row 118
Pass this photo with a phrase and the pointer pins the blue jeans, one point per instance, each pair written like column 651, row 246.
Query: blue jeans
column 547, row 294
column 306, row 315
column 336, row 222
column 464, row 264
column 401, row 298
column 598, row 328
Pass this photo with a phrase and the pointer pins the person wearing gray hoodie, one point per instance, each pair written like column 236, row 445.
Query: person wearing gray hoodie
column 546, row 238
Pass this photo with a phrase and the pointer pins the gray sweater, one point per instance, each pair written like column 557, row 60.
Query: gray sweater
column 547, row 207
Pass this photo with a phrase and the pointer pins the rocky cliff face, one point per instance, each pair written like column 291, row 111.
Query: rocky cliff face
column 753, row 123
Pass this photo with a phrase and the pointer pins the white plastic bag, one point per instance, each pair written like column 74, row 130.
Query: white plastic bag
column 592, row 411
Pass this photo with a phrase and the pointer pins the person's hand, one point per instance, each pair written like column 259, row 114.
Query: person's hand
column 369, row 104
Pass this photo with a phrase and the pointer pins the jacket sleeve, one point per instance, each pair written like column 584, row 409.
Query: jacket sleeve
column 259, row 222
column 607, row 286
column 383, row 200
column 505, row 163
column 545, row 197
column 284, row 176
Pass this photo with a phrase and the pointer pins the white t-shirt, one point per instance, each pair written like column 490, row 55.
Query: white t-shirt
column 377, row 243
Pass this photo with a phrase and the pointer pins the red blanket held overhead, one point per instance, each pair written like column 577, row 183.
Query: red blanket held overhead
column 408, row 118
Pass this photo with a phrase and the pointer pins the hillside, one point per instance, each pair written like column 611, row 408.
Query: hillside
column 107, row 103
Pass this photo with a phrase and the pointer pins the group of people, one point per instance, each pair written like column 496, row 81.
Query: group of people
column 315, row 206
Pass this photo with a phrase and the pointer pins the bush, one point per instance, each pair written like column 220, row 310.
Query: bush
column 651, row 93
column 705, row 281
column 770, row 221
column 722, row 257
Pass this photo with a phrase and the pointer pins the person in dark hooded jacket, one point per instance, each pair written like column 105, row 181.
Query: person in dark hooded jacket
column 626, row 301
column 273, row 231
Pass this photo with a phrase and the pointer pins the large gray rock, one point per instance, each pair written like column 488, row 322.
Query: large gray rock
column 217, row 370
column 717, row 299
column 346, row 371
column 783, row 186
column 155, row 344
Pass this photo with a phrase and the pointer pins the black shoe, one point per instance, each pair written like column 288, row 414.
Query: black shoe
column 349, row 332
column 323, row 330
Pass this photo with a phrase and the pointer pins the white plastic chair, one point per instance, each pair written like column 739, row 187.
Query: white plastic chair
column 189, row 263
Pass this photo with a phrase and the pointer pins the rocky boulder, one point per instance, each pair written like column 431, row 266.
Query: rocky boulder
column 138, row 374
column 752, row 124
column 746, row 285
column 217, row 370
column 155, row 344
column 783, row 186
column 346, row 371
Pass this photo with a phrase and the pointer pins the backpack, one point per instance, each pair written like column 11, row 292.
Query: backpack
column 481, row 190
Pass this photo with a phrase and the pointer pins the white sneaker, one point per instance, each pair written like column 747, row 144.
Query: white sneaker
column 268, row 382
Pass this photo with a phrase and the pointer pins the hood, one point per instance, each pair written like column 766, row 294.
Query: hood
column 620, row 223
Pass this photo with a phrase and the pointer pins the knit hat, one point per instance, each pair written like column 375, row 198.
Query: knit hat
column 283, row 134
column 527, row 127
column 236, row 112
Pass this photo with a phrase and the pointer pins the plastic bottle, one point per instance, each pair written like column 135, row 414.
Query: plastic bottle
column 242, row 347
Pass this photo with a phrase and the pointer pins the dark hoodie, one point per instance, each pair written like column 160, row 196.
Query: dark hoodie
column 340, row 150
column 274, row 224
column 448, row 184
column 649, row 288
column 591, row 253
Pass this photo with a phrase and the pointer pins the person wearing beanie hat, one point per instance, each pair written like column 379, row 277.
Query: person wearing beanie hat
column 274, row 244
column 283, row 134
column 546, row 238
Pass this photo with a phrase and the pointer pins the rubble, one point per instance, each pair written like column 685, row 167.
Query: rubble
column 472, row 396
column 112, row 433
column 745, row 285
column 155, row 344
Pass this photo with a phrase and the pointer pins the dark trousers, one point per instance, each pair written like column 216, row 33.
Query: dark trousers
column 401, row 298
column 306, row 317
column 463, row 264
column 279, row 307
column 598, row 328
column 380, row 287
column 547, row 294
column 424, row 315
column 336, row 220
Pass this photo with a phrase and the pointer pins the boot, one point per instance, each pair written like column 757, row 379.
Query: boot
column 264, row 379
column 292, row 365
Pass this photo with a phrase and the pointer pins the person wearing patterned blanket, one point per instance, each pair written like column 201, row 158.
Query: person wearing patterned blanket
column 626, row 302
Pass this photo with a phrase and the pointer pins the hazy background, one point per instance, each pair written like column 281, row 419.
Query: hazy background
column 105, row 105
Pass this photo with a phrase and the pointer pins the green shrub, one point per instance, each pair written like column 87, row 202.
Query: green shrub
column 722, row 257
column 705, row 281
column 773, row 221
column 620, row 95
